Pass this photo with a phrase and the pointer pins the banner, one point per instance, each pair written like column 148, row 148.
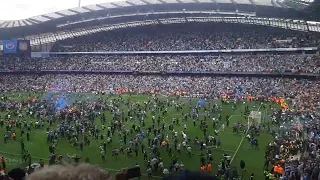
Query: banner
column 284, row 41
column 10, row 46
column 24, row 48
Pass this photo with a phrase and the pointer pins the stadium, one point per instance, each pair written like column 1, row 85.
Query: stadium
column 160, row 89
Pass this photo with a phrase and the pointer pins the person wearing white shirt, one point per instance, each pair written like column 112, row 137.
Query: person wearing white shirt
column 176, row 166
column 216, row 132
column 184, row 136
column 160, row 165
column 179, row 148
column 184, row 144
column 165, row 171
column 181, row 166
column 153, row 161
column 189, row 150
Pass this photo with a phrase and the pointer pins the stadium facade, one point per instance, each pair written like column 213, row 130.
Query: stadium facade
column 44, row 30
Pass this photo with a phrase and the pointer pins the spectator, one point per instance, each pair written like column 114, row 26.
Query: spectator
column 197, row 36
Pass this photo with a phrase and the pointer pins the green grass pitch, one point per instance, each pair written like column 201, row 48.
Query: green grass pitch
column 235, row 145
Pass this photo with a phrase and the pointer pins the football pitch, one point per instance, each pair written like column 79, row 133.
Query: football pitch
column 235, row 145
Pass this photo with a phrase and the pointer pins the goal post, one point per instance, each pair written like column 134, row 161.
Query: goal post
column 255, row 118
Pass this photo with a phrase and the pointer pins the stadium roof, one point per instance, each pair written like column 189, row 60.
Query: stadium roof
column 37, row 22
column 67, row 8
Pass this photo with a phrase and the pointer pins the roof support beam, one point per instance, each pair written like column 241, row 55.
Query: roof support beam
column 101, row 6
column 88, row 9
column 73, row 11
column 25, row 22
column 60, row 14
column 116, row 5
column 145, row 1
column 283, row 5
column 48, row 17
column 7, row 24
column 35, row 20
column 3, row 23
column 30, row 22
column 163, row 2
column 252, row 2
column 132, row 4
column 234, row 3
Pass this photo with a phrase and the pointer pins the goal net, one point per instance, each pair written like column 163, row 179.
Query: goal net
column 255, row 118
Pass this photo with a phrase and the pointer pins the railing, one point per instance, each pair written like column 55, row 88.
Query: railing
column 276, row 50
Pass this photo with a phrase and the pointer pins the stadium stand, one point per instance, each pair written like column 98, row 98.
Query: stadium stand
column 258, row 63
column 184, row 37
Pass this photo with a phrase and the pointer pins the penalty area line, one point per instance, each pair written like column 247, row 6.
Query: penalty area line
column 228, row 120
column 234, row 155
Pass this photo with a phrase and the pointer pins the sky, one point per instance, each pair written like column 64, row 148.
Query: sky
column 23, row 9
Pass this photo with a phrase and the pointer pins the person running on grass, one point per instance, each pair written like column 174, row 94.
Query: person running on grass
column 242, row 165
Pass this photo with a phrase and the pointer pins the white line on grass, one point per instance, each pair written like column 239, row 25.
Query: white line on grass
column 219, row 130
column 234, row 155
column 227, row 120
